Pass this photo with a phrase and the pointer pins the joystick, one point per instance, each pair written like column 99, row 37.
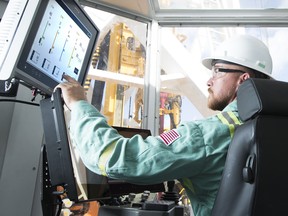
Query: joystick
column 170, row 194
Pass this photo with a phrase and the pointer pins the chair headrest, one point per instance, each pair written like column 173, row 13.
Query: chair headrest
column 262, row 96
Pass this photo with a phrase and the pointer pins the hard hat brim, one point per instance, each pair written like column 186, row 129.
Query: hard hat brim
column 207, row 62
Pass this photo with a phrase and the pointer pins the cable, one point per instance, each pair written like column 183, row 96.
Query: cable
column 58, row 212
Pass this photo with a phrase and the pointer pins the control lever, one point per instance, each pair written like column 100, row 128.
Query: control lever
column 171, row 194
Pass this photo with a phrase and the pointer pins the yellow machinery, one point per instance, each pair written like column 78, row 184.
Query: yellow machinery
column 126, row 55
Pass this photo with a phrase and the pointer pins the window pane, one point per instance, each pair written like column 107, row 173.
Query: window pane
column 118, row 69
column 181, row 52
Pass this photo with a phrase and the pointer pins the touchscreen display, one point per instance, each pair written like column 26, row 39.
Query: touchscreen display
column 59, row 45
column 61, row 40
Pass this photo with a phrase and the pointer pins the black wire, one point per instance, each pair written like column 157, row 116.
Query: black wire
column 19, row 101
column 58, row 213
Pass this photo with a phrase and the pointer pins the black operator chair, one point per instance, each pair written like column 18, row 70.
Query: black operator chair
column 255, row 177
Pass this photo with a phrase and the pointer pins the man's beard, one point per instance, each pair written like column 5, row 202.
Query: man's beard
column 217, row 103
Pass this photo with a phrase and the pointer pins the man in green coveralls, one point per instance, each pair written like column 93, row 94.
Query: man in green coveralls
column 195, row 152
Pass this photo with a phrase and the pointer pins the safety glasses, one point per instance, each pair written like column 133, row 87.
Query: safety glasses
column 220, row 72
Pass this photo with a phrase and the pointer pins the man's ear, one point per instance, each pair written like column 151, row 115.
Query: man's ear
column 244, row 77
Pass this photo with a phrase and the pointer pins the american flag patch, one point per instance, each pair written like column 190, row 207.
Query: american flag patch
column 169, row 137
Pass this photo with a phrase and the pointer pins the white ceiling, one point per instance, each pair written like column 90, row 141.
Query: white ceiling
column 140, row 9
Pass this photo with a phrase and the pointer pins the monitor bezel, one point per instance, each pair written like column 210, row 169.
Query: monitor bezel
column 35, row 77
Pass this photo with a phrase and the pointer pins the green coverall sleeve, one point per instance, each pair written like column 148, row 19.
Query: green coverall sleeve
column 136, row 160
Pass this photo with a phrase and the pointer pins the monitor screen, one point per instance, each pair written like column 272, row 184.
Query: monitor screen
column 61, row 40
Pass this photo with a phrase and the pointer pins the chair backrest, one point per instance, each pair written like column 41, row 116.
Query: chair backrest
column 255, row 176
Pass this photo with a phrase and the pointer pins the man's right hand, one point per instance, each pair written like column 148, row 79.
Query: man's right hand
column 72, row 91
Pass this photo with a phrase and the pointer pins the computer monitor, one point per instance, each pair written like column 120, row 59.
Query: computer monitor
column 60, row 39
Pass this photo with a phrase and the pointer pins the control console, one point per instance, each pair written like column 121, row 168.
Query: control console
column 146, row 208
column 145, row 205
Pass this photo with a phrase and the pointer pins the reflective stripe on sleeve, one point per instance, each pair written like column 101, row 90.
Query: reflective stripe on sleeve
column 104, row 158
column 231, row 120
column 187, row 183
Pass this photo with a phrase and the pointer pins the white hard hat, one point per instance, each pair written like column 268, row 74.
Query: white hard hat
column 244, row 50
